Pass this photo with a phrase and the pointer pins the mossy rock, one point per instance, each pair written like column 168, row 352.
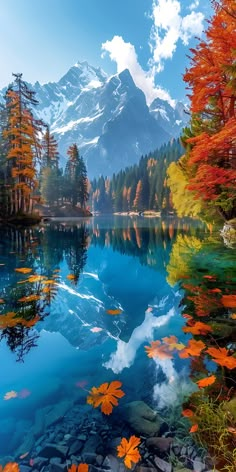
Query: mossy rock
column 141, row 418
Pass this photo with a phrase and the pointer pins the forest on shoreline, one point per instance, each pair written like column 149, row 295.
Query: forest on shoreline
column 191, row 176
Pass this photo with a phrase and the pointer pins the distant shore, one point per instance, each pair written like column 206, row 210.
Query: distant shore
column 146, row 213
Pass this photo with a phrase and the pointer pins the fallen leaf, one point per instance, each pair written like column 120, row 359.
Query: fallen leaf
column 173, row 343
column 194, row 348
column 188, row 413
column 1, row 300
column 229, row 301
column 198, row 328
column 129, row 450
column 194, row 428
column 96, row 329
column 215, row 290
column 233, row 316
column 70, row 277
column 31, row 462
column 114, row 312
column 23, row 270
column 35, row 278
column 79, row 468
column 220, row 356
column 206, row 381
column 209, row 277
column 158, row 350
column 105, row 395
column 10, row 395
column 10, row 467
column 29, row 298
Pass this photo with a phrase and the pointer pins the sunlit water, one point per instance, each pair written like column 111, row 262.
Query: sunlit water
column 118, row 264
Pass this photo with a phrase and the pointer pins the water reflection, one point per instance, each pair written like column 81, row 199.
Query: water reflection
column 29, row 276
column 89, row 296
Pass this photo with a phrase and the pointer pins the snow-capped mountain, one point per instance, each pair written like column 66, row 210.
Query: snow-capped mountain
column 107, row 117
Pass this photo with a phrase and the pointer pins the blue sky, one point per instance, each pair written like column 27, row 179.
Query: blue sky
column 44, row 38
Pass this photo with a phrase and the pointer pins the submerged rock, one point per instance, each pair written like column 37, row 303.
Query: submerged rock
column 141, row 418
column 163, row 444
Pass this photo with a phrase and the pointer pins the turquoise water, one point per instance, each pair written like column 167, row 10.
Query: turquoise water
column 73, row 342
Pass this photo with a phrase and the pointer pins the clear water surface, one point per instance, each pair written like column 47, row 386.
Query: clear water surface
column 70, row 340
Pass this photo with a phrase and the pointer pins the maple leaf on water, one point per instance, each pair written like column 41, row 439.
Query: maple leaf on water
column 158, row 350
column 173, row 343
column 206, row 381
column 105, row 395
column 23, row 270
column 198, row 328
column 194, row 348
column 129, row 449
column 10, row 467
column 220, row 356
column 117, row 311
column 79, row 468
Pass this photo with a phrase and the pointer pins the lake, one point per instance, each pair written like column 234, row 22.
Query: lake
column 81, row 302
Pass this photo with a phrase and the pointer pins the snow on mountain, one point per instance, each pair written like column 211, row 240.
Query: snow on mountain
column 107, row 117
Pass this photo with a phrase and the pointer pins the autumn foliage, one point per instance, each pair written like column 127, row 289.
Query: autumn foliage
column 129, row 450
column 105, row 395
column 209, row 166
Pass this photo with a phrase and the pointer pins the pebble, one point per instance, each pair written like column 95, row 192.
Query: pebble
column 163, row 465
column 198, row 466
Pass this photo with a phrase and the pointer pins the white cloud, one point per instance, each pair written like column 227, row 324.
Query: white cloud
column 194, row 5
column 125, row 353
column 169, row 28
column 125, row 56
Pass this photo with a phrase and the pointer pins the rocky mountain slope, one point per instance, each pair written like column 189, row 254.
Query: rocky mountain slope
column 106, row 116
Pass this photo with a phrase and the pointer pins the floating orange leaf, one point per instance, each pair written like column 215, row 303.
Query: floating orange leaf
column 10, row 467
column 29, row 298
column 24, row 270
column 188, row 413
column 206, row 381
column 10, row 395
column 1, row 300
column 198, row 328
column 35, row 278
column 233, row 316
column 194, row 348
column 158, row 350
column 114, row 312
column 194, row 428
column 79, row 468
column 129, row 449
column 209, row 277
column 173, row 343
column 229, row 301
column 215, row 290
column 70, row 277
column 220, row 356
column 105, row 395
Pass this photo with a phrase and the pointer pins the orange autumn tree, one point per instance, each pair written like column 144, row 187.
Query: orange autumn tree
column 210, row 160
column 22, row 137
